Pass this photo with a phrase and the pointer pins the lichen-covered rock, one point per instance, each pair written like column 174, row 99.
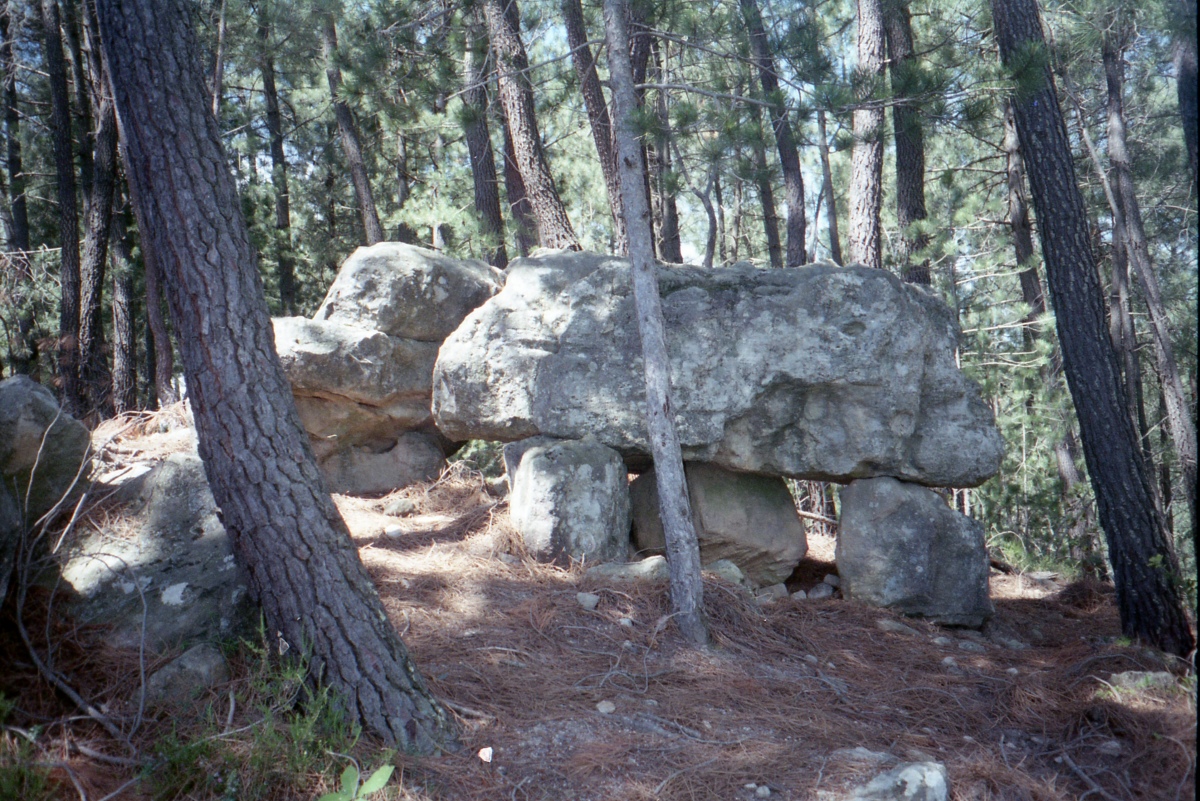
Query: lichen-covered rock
column 42, row 448
column 184, row 678
column 570, row 500
column 817, row 372
column 749, row 520
column 900, row 546
column 407, row 291
column 360, row 470
column 910, row 781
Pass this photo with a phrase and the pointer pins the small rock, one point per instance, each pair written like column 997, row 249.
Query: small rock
column 1036, row 634
column 509, row 559
column 911, row 781
column 820, row 592
column 972, row 647
column 1012, row 643
column 832, row 580
column 626, row 622
column 182, row 679
column 1143, row 680
column 943, row 641
column 728, row 571
column 497, row 487
column 763, row 791
column 393, row 532
column 587, row 600
column 810, row 659
column 653, row 568
column 750, row 786
column 1110, row 748
column 606, row 707
column 894, row 626
column 400, row 507
column 799, row 595
column 771, row 594
column 1013, row 672
column 950, row 662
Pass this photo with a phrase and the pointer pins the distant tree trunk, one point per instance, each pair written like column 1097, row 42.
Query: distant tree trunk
column 831, row 213
column 285, row 262
column 1145, row 570
column 218, row 80
column 94, row 375
column 762, row 179
column 670, row 243
column 722, row 244
column 1179, row 416
column 1018, row 221
column 402, row 188
column 83, row 110
column 68, row 210
column 516, row 95
column 866, row 175
column 164, row 355
column 597, row 111
column 285, row 530
column 479, row 147
column 789, row 158
column 683, row 552
column 518, row 200
column 910, row 144
column 24, row 357
column 124, row 372
column 1185, row 78
column 351, row 145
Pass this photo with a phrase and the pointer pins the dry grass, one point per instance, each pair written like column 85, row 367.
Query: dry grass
column 786, row 687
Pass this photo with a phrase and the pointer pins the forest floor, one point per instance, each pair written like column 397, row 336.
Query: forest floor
column 555, row 701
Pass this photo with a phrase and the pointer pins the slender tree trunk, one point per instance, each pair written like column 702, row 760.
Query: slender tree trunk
column 831, row 213
column 516, row 95
column 124, row 372
column 762, row 179
column 218, row 79
column 94, row 375
column 789, row 158
column 156, row 324
column 1145, row 570
column 910, row 144
column 351, row 144
column 671, row 245
column 83, row 108
column 402, row 188
column 597, row 111
column 24, row 357
column 285, row 262
column 683, row 552
column 518, row 200
column 722, row 245
column 285, row 530
column 68, row 209
column 1179, row 416
column 479, row 146
column 866, row 176
column 1185, row 78
column 1018, row 221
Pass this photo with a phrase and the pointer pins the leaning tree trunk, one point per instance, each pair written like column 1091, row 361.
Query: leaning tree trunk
column 516, row 95
column 831, row 212
column 285, row 530
column 789, row 158
column 597, row 111
column 1145, row 570
column 351, row 144
column 518, row 199
column 68, row 209
column 866, row 160
column 683, row 551
column 285, row 261
column 479, row 147
column 910, row 144
column 124, row 370
column 1179, row 416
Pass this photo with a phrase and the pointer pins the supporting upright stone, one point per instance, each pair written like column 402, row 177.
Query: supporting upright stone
column 900, row 546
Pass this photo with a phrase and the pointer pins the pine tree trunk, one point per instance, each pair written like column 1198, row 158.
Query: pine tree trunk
column 218, row 79
column 670, row 243
column 1145, row 570
column 789, row 158
column 163, row 370
column 831, row 212
column 518, row 200
column 124, row 371
column 285, row 530
column 762, row 179
column 83, row 107
column 910, row 144
column 1185, row 78
column 24, row 355
column 285, row 262
column 1018, row 221
column 866, row 160
column 516, row 95
column 683, row 552
column 94, row 376
column 351, row 144
column 597, row 111
column 479, row 146
column 1179, row 416
column 68, row 210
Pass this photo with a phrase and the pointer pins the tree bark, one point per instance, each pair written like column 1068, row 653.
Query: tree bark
column 866, row 176
column 789, row 158
column 1185, row 79
column 518, row 200
column 479, row 146
column 285, row 530
column 1145, row 570
column 670, row 244
column 766, row 196
column 597, row 111
column 285, row 261
column 163, row 370
column 1179, row 416
column 83, row 109
column 516, row 95
column 683, row 552
column 910, row 144
column 24, row 357
column 94, row 376
column 831, row 213
column 218, row 80
column 124, row 371
column 348, row 128
column 68, row 209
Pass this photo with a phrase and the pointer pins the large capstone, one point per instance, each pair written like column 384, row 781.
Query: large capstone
column 746, row 519
column 570, row 501
column 900, row 546
column 816, row 372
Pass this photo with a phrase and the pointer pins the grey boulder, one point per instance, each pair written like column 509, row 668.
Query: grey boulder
column 900, row 546
column 749, row 520
column 181, row 680
column 361, row 470
column 818, row 372
column 570, row 500
column 910, row 781
column 407, row 291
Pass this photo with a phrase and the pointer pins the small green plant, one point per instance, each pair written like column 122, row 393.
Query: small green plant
column 353, row 791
